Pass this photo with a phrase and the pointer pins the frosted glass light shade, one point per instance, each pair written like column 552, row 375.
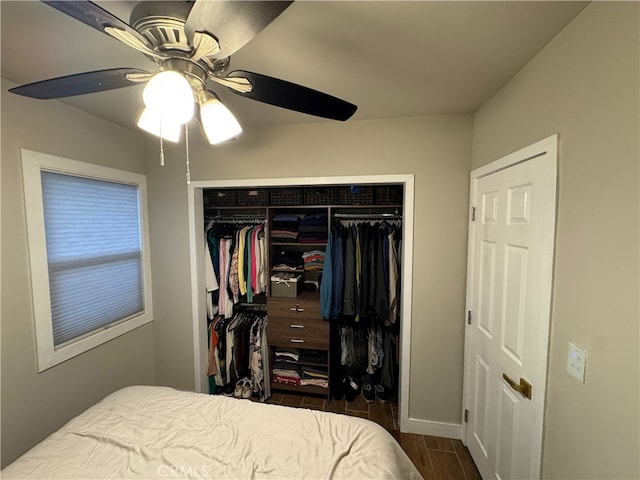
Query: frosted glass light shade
column 169, row 94
column 218, row 122
column 152, row 122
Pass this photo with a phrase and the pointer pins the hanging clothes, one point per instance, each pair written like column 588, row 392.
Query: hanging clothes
column 337, row 262
column 362, row 261
column 210, row 281
column 238, row 349
column 349, row 297
column 326, row 283
column 394, row 277
column 235, row 263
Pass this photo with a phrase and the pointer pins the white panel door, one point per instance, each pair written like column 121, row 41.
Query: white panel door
column 509, row 292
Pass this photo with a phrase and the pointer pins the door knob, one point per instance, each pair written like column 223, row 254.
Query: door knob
column 524, row 388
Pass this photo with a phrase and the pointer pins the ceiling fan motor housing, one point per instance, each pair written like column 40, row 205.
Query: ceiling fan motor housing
column 162, row 24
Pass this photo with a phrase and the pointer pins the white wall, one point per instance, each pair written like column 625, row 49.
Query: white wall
column 436, row 149
column 585, row 86
column 34, row 405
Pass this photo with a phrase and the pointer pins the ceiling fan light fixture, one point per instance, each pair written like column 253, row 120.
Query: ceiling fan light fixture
column 170, row 96
column 151, row 121
column 218, row 122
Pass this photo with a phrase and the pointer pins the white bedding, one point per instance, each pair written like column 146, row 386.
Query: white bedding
column 158, row 432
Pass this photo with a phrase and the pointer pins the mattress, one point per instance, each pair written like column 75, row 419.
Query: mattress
column 158, row 432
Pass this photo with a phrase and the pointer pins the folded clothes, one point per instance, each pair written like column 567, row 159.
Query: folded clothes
column 315, row 356
column 314, row 371
column 313, row 268
column 285, row 268
column 311, row 375
column 314, row 261
column 286, row 217
column 286, row 235
column 315, row 219
column 288, row 353
column 286, row 373
column 315, row 382
column 312, row 240
column 291, row 259
column 313, row 254
column 285, row 365
column 313, row 228
column 285, row 380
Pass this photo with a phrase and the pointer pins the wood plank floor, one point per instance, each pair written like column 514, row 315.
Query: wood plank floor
column 435, row 458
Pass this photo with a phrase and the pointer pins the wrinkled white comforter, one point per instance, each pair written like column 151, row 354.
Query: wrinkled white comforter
column 157, row 432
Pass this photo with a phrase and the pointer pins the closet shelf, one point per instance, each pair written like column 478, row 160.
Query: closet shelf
column 311, row 389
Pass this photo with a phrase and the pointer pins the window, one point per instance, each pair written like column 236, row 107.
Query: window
column 88, row 247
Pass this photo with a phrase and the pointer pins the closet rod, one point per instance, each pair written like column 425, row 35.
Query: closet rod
column 240, row 216
column 368, row 215
column 238, row 219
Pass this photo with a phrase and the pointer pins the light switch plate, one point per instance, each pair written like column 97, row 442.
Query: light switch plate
column 576, row 362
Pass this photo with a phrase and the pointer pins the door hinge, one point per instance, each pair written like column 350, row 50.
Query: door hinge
column 469, row 317
column 466, row 415
column 473, row 214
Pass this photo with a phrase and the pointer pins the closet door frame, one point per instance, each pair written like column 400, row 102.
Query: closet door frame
column 196, row 255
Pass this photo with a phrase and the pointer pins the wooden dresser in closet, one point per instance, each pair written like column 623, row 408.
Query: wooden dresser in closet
column 296, row 323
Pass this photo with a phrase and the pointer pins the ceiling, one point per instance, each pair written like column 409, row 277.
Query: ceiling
column 391, row 58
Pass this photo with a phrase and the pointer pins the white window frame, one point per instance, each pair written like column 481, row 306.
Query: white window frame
column 33, row 163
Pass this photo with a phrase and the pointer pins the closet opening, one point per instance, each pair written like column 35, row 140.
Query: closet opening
column 309, row 280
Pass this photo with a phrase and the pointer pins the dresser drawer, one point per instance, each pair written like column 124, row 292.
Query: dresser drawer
column 296, row 308
column 298, row 332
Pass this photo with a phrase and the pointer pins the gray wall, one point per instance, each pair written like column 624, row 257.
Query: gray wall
column 436, row 149
column 585, row 86
column 34, row 405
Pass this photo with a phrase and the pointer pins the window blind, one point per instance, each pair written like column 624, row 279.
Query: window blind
column 93, row 242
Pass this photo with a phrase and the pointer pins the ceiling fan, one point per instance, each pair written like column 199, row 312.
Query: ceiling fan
column 191, row 43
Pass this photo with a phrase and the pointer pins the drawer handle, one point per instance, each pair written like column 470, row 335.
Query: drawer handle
column 297, row 308
column 295, row 340
column 293, row 325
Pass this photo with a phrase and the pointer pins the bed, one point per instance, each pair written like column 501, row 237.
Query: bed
column 158, row 432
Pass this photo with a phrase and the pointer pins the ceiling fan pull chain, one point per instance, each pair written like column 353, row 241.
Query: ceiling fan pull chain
column 186, row 143
column 161, row 148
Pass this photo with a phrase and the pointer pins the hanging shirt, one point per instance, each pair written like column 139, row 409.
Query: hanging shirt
column 381, row 302
column 326, row 282
column 393, row 280
column 348, row 300
column 248, row 247
column 242, row 283
column 234, row 285
column 225, row 304
column 337, row 289
column 210, row 282
column 263, row 274
column 358, row 254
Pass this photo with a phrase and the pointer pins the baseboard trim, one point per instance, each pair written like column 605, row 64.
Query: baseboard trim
column 435, row 429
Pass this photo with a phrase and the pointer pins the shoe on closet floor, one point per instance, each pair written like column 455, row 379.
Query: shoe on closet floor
column 247, row 388
column 237, row 392
column 351, row 389
column 381, row 393
column 368, row 393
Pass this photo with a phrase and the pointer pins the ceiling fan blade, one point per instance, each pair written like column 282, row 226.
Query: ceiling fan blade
column 79, row 83
column 95, row 16
column 293, row 97
column 233, row 23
